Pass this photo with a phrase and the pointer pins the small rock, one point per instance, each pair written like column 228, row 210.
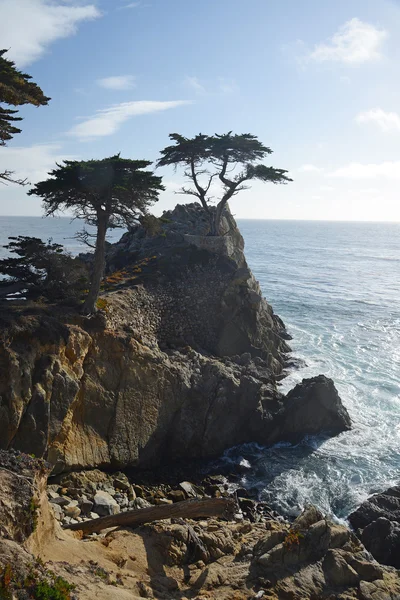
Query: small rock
column 52, row 494
column 162, row 501
column 60, row 500
column 121, row 482
column 58, row 511
column 141, row 503
column 176, row 495
column 139, row 491
column 104, row 504
column 72, row 511
column 86, row 506
column 192, row 491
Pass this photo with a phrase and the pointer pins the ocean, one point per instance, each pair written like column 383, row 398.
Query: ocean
column 337, row 287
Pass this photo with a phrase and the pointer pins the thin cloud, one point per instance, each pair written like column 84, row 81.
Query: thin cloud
column 28, row 27
column 355, row 43
column 386, row 121
column 117, row 82
column 227, row 86
column 310, row 169
column 386, row 170
column 194, row 83
column 221, row 86
column 130, row 5
column 107, row 121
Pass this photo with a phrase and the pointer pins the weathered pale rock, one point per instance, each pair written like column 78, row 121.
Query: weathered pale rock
column 104, row 504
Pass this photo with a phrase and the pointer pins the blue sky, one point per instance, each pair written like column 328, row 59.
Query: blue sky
column 318, row 82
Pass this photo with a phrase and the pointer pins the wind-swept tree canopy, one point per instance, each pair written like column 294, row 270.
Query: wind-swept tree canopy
column 233, row 159
column 113, row 192
column 41, row 269
column 16, row 89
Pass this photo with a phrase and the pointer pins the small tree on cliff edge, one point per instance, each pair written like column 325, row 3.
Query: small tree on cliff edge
column 16, row 89
column 113, row 192
column 232, row 158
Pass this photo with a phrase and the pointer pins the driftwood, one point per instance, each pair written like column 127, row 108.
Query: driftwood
column 188, row 509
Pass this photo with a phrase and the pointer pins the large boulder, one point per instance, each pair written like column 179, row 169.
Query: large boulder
column 377, row 522
column 385, row 504
column 312, row 407
column 382, row 539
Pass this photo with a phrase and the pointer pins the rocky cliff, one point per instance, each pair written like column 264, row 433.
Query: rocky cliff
column 181, row 361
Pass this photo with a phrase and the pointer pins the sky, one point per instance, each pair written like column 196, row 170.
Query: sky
column 317, row 82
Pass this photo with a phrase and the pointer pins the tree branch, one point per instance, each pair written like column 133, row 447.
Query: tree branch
column 202, row 193
column 6, row 176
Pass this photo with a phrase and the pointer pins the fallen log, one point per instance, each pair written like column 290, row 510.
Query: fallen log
column 188, row 509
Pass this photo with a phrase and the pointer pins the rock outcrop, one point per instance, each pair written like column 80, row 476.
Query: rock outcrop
column 377, row 522
column 181, row 362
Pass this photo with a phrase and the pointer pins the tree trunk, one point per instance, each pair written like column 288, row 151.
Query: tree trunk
column 89, row 306
column 216, row 219
column 188, row 509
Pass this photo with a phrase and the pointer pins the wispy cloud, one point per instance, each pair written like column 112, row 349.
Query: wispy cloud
column 227, row 86
column 194, row 83
column 386, row 121
column 28, row 27
column 117, row 82
column 221, row 86
column 108, row 120
column 354, row 43
column 310, row 169
column 130, row 5
column 386, row 170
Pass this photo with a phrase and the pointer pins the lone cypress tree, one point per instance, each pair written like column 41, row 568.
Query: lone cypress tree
column 232, row 158
column 113, row 192
column 16, row 89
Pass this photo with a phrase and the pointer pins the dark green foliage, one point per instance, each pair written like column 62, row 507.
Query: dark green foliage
column 43, row 270
column 118, row 188
column 57, row 589
column 113, row 192
column 231, row 158
column 16, row 89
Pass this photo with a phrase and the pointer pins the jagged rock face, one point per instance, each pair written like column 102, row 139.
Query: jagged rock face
column 180, row 364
